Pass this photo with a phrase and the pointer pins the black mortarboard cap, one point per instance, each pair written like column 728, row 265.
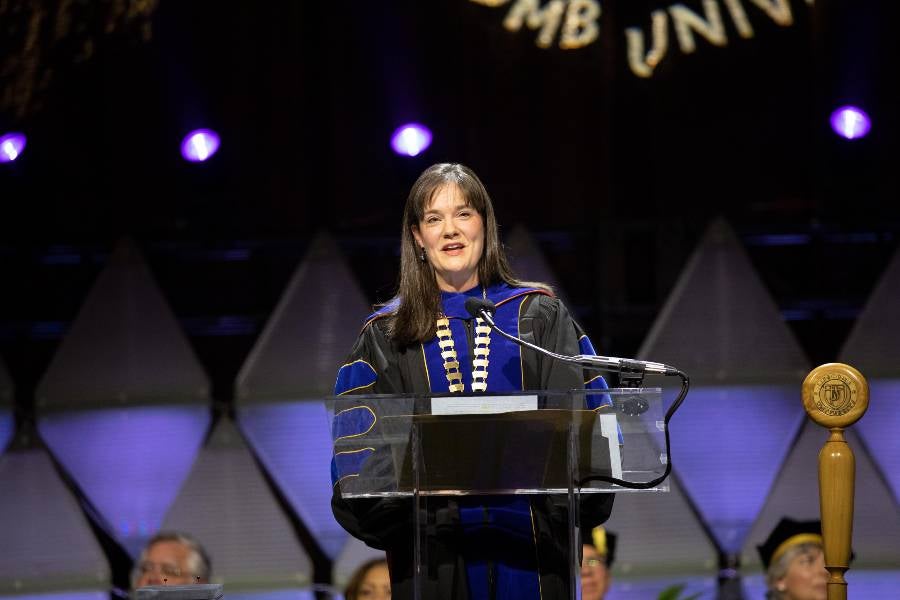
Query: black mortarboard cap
column 788, row 533
column 601, row 539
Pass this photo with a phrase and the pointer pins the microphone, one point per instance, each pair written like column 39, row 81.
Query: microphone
column 485, row 309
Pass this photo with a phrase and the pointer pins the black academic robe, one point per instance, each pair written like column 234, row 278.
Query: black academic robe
column 540, row 552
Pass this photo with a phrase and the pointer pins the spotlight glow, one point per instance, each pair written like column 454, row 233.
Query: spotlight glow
column 411, row 139
column 850, row 122
column 199, row 145
column 11, row 146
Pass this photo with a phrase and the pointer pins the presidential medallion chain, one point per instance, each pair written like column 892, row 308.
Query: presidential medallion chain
column 451, row 361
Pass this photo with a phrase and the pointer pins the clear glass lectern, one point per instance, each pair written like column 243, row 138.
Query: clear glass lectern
column 567, row 444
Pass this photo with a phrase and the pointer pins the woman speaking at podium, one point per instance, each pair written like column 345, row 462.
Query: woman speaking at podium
column 424, row 341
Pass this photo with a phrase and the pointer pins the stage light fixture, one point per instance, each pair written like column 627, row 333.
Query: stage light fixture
column 199, row 145
column 411, row 139
column 850, row 122
column 11, row 146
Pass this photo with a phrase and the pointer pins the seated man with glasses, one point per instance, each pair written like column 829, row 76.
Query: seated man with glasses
column 171, row 558
column 598, row 553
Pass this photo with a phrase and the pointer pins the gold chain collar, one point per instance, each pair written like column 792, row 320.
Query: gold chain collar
column 451, row 361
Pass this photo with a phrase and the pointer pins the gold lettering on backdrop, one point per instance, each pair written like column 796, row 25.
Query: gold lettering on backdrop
column 643, row 65
column 577, row 22
column 581, row 25
column 687, row 22
column 778, row 10
column 741, row 22
column 531, row 13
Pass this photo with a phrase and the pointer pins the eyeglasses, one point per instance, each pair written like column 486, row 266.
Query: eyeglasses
column 594, row 562
column 165, row 569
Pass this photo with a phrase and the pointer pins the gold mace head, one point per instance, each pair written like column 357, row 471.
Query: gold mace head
column 835, row 395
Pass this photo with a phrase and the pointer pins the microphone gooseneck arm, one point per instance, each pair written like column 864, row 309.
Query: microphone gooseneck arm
column 484, row 309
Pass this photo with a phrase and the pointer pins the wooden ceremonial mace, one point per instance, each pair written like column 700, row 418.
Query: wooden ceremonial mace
column 836, row 396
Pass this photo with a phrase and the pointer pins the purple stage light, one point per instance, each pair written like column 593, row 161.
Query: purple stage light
column 850, row 122
column 199, row 145
column 11, row 146
column 411, row 139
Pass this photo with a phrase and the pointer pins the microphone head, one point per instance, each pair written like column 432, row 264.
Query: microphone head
column 475, row 305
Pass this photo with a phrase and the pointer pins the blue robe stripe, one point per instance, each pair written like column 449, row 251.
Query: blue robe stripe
column 596, row 382
column 353, row 377
column 348, row 463
column 386, row 310
column 348, row 424
column 353, row 422
column 597, row 402
column 509, row 516
column 584, row 343
column 454, row 304
column 437, row 376
column 505, row 361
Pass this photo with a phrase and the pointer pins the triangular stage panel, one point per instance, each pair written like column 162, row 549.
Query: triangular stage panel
column 293, row 442
column 659, row 534
column 879, row 429
column 728, row 443
column 129, row 462
column 292, row 367
column 124, row 403
column 528, row 261
column 124, row 348
column 227, row 505
column 7, row 423
column 876, row 521
column 623, row 588
column 873, row 347
column 721, row 327
column 48, row 545
column 309, row 334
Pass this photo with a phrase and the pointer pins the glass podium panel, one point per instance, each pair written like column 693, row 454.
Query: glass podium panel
column 494, row 445
column 565, row 445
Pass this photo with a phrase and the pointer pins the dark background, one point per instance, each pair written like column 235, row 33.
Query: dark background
column 616, row 177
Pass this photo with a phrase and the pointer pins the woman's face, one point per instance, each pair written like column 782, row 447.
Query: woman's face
column 806, row 577
column 452, row 233
column 376, row 585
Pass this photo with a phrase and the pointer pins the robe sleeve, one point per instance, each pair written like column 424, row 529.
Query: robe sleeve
column 551, row 327
column 371, row 368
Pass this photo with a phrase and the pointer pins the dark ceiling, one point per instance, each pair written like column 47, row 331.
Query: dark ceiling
column 616, row 176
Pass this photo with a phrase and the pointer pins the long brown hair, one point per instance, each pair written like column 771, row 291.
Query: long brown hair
column 351, row 592
column 418, row 291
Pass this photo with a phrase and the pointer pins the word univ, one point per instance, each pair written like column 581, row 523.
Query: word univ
column 576, row 23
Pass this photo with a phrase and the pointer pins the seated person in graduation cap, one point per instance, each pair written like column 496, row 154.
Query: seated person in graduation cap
column 598, row 553
column 794, row 561
column 171, row 558
column 424, row 341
